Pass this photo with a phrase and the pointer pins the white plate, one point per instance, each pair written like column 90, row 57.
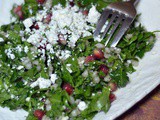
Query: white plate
column 143, row 81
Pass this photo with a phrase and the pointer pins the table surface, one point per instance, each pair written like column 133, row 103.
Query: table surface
column 146, row 109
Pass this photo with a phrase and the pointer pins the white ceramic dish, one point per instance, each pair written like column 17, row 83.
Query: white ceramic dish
column 143, row 81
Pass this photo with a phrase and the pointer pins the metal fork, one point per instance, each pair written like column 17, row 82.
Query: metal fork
column 121, row 15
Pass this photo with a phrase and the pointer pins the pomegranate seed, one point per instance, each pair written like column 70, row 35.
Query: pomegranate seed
column 18, row 12
column 68, row 88
column 17, row 9
column 112, row 97
column 104, row 69
column 89, row 59
column 39, row 114
column 61, row 39
column 41, row 1
column 113, row 86
column 71, row 4
column 85, row 12
column 35, row 26
column 98, row 54
column 48, row 18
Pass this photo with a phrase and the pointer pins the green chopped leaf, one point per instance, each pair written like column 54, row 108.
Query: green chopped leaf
column 99, row 102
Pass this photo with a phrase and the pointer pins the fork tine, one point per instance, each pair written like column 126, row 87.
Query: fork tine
column 119, row 19
column 125, row 25
column 101, row 22
column 109, row 24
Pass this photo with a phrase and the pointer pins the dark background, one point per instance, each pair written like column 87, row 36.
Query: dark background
column 146, row 109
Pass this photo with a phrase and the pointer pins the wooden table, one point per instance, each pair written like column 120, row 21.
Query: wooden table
column 146, row 109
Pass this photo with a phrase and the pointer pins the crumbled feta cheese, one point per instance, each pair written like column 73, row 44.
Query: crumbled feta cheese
column 19, row 48
column 42, row 83
column 48, row 46
column 65, row 118
column 54, row 78
column 13, row 19
column 34, row 39
column 39, row 17
column 28, row 22
column 1, row 39
column 34, row 84
column 93, row 15
column 82, row 106
column 68, row 67
column 10, row 54
column 20, row 67
column 26, row 49
column 64, row 54
column 97, row 38
column 45, row 118
column 28, row 99
column 30, row 11
column 12, row 96
column 67, row 21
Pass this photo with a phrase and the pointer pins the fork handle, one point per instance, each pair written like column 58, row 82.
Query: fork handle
column 134, row 2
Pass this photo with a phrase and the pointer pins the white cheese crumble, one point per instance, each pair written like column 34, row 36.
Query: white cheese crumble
column 68, row 21
column 1, row 40
column 12, row 96
column 26, row 49
column 93, row 15
column 28, row 99
column 65, row 54
column 82, row 106
column 28, row 22
column 20, row 67
column 10, row 54
column 19, row 48
column 45, row 118
column 65, row 118
column 54, row 78
column 42, row 83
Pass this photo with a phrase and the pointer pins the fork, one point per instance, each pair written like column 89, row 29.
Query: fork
column 121, row 15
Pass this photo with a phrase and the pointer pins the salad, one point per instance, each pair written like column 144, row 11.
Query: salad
column 52, row 67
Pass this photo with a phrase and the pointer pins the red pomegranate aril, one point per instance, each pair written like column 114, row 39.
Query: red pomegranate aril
column 48, row 18
column 112, row 97
column 71, row 4
column 113, row 86
column 17, row 9
column 104, row 69
column 35, row 26
column 68, row 88
column 85, row 12
column 61, row 39
column 39, row 114
column 18, row 12
column 20, row 15
column 89, row 59
column 41, row 1
column 98, row 54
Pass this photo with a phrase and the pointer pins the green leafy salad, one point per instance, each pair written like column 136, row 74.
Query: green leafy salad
column 52, row 67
